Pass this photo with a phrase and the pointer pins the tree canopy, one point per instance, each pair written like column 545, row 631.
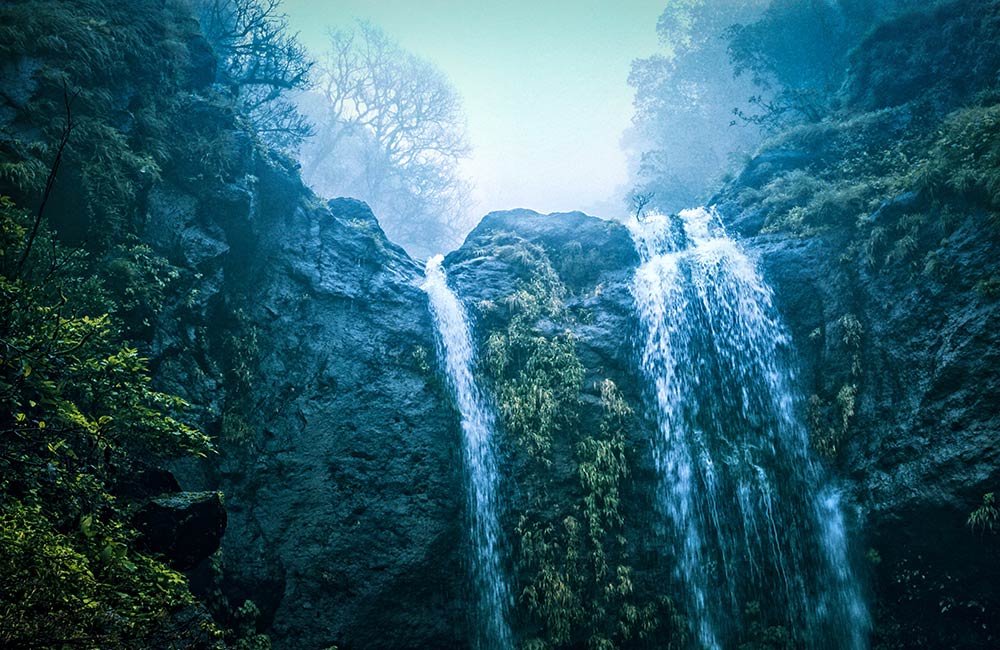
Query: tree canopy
column 390, row 131
column 263, row 62
column 80, row 420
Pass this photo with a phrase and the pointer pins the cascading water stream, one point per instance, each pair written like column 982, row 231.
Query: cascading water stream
column 756, row 532
column 455, row 347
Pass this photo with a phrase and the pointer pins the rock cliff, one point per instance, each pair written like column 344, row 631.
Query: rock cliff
column 339, row 451
column 302, row 339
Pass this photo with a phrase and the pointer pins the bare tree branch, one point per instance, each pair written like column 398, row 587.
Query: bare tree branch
column 398, row 120
column 51, row 180
column 262, row 61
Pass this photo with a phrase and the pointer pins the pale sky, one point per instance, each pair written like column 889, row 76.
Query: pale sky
column 543, row 84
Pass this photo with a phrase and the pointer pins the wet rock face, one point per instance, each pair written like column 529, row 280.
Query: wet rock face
column 922, row 447
column 306, row 345
column 582, row 249
column 355, row 481
column 594, row 260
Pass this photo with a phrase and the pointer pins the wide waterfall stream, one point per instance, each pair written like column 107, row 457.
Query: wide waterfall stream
column 757, row 534
column 456, row 348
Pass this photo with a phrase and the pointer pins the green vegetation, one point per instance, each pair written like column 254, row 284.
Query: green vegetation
column 240, row 356
column 894, row 181
column 897, row 182
column 80, row 421
column 103, row 88
column 761, row 636
column 122, row 138
column 137, row 74
column 986, row 517
column 124, row 78
column 830, row 415
column 571, row 554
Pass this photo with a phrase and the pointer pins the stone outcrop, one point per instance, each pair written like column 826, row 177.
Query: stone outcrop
column 306, row 343
column 184, row 527
column 921, row 448
column 922, row 445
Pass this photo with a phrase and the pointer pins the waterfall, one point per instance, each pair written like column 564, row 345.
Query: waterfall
column 455, row 346
column 749, row 514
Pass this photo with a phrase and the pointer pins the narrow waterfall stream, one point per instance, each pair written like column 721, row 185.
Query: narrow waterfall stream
column 758, row 537
column 455, row 345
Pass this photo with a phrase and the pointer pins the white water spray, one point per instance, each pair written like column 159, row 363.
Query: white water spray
column 748, row 514
column 455, row 347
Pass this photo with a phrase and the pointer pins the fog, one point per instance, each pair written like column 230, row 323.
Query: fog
column 544, row 87
column 555, row 106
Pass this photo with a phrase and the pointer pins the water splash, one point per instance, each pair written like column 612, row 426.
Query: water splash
column 747, row 508
column 455, row 346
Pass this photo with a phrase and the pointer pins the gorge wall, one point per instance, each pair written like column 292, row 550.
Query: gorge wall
column 304, row 343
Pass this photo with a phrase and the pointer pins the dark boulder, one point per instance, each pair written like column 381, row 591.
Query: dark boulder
column 184, row 528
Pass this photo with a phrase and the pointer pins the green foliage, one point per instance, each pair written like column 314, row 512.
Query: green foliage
column 129, row 69
column 579, row 265
column 570, row 555
column 20, row 166
column 537, row 377
column 82, row 588
column 796, row 53
column 988, row 288
column 421, row 360
column 942, row 51
column 761, row 636
column 79, row 417
column 240, row 358
column 965, row 158
column 893, row 186
column 986, row 517
column 245, row 629
column 138, row 281
column 830, row 418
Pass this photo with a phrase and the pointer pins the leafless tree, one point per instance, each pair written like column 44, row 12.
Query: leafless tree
column 639, row 201
column 263, row 62
column 400, row 121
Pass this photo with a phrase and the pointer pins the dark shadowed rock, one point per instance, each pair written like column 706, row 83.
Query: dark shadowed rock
column 922, row 447
column 184, row 527
column 767, row 164
column 582, row 248
column 593, row 257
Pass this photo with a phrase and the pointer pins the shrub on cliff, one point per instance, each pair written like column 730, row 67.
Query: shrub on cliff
column 79, row 419
column 577, row 579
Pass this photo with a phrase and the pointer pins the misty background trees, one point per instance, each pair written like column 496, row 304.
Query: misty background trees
column 728, row 75
column 370, row 120
column 390, row 131
column 681, row 142
column 367, row 120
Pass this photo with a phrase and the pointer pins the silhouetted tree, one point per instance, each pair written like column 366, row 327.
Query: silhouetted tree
column 263, row 62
